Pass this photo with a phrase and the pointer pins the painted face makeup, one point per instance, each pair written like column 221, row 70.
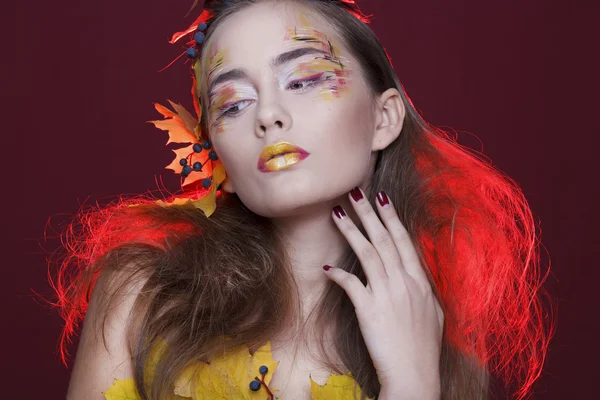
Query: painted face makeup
column 222, row 98
column 284, row 85
column 329, row 63
column 311, row 67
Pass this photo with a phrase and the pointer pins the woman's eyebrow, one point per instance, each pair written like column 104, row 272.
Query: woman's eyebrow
column 283, row 58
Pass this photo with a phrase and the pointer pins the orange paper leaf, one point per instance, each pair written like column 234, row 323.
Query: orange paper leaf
column 164, row 110
column 189, row 121
column 178, row 132
column 180, row 124
column 180, row 153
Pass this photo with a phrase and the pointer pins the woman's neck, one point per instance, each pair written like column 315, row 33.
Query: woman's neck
column 312, row 240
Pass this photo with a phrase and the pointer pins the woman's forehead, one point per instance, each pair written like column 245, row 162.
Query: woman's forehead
column 258, row 33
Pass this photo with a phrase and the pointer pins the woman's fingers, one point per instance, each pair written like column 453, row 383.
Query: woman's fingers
column 388, row 253
column 407, row 251
column 378, row 234
column 353, row 287
column 367, row 255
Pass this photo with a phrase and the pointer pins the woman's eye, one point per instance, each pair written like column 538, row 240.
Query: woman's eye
column 301, row 84
column 232, row 109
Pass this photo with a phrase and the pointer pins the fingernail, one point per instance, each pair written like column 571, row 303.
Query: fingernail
column 356, row 194
column 339, row 212
column 326, row 267
column 383, row 199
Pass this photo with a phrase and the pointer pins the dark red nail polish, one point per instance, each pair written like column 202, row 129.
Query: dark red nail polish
column 326, row 267
column 339, row 212
column 382, row 198
column 356, row 194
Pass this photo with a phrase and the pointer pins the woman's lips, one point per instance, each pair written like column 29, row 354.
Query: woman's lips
column 280, row 156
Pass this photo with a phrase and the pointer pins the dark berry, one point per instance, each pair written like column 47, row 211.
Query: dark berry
column 182, row 162
column 255, row 385
column 197, row 166
column 202, row 26
column 207, row 144
column 187, row 169
column 263, row 369
column 212, row 155
column 191, row 53
column 206, row 183
column 199, row 38
column 197, row 147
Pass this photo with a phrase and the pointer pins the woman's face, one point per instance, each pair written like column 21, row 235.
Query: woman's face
column 293, row 82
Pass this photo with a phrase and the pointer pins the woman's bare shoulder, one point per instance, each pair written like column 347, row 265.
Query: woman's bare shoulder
column 99, row 362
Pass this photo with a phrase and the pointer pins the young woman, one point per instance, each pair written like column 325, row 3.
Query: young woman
column 329, row 241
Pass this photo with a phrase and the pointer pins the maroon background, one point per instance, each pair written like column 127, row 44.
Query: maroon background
column 80, row 78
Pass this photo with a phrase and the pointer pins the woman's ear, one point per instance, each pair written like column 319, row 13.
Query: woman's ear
column 389, row 118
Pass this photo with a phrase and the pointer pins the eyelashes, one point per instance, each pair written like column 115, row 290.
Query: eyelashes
column 310, row 81
column 298, row 86
column 231, row 109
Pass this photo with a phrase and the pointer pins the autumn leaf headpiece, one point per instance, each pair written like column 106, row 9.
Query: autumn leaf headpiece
column 198, row 164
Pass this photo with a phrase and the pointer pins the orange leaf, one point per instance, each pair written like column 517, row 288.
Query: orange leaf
column 202, row 157
column 164, row 110
column 195, row 176
column 181, row 125
column 178, row 133
column 180, row 153
column 189, row 121
column 206, row 172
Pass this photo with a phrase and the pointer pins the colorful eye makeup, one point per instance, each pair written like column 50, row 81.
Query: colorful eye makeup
column 228, row 100
column 330, row 61
column 312, row 66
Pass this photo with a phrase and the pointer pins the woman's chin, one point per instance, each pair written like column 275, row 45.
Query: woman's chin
column 290, row 205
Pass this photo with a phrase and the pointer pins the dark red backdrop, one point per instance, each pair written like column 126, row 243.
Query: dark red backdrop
column 80, row 78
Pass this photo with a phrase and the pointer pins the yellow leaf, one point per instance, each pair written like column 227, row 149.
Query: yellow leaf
column 176, row 202
column 337, row 387
column 228, row 376
column 218, row 174
column 122, row 390
column 156, row 351
column 207, row 203
column 125, row 389
column 197, row 378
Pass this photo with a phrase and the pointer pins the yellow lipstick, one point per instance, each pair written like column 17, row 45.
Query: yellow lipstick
column 280, row 156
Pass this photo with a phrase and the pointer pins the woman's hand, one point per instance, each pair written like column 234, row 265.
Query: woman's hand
column 400, row 318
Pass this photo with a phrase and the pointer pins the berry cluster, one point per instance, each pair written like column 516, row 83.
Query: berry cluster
column 192, row 52
column 197, row 166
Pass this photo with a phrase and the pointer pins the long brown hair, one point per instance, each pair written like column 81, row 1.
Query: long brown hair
column 229, row 275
